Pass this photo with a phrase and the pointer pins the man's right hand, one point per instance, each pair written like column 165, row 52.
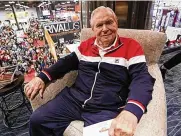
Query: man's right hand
column 34, row 87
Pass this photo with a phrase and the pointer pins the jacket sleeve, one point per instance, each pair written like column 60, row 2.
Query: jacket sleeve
column 60, row 68
column 141, row 86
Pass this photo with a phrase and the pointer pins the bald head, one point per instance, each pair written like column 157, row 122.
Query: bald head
column 101, row 9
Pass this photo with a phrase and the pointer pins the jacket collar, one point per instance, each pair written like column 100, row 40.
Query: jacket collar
column 117, row 44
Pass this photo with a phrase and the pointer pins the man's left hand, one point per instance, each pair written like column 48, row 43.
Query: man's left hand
column 124, row 124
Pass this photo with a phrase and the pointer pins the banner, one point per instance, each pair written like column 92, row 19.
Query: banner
column 62, row 27
column 19, row 15
column 64, row 30
column 172, row 32
column 51, row 45
column 60, row 31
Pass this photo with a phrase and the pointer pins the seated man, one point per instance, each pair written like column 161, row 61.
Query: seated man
column 112, row 82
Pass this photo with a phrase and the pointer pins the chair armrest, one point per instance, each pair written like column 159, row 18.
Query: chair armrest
column 53, row 89
column 154, row 123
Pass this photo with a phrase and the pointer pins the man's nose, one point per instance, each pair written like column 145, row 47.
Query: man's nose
column 104, row 28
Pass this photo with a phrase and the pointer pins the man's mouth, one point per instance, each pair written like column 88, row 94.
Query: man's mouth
column 106, row 35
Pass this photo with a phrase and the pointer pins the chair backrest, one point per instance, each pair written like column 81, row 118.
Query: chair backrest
column 151, row 41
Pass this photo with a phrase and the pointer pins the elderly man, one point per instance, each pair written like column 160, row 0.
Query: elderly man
column 112, row 83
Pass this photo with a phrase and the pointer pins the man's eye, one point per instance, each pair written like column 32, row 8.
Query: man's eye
column 99, row 25
column 109, row 22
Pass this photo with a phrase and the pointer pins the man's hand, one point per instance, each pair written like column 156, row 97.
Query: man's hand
column 34, row 87
column 124, row 124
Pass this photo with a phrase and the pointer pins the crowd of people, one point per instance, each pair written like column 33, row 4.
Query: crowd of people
column 28, row 50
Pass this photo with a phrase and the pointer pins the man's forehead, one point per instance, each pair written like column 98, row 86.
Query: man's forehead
column 103, row 12
column 103, row 19
column 103, row 15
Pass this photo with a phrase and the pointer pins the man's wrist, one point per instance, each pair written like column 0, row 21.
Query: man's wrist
column 44, row 76
column 137, row 111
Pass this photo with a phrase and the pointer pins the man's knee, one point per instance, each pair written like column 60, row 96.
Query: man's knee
column 37, row 125
column 36, row 119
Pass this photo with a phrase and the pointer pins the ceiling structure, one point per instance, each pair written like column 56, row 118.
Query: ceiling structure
column 28, row 3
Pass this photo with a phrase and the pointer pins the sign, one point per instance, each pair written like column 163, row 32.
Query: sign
column 46, row 13
column 20, row 35
column 62, row 28
column 172, row 32
column 19, row 15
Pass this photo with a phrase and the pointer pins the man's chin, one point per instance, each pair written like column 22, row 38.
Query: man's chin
column 107, row 41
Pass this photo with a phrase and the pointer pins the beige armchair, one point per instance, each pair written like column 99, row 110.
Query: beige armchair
column 154, row 122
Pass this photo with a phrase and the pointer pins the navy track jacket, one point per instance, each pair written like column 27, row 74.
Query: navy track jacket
column 116, row 81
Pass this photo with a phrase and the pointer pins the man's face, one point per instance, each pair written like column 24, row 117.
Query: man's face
column 105, row 28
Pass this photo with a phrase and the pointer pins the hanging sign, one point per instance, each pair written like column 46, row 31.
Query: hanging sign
column 62, row 28
column 65, row 30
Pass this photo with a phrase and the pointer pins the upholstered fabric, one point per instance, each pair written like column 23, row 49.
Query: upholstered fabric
column 151, row 124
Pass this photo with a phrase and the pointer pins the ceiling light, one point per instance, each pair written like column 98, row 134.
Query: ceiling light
column 48, row 3
column 7, row 5
column 11, row 2
column 41, row 4
column 8, row 9
column 68, row 1
column 26, row 6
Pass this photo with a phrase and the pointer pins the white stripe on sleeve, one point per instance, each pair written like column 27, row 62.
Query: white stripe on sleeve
column 137, row 59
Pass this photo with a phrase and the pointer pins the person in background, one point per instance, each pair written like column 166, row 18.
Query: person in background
column 113, row 82
column 1, row 25
column 175, row 60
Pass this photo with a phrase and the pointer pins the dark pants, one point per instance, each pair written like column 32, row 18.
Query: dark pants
column 54, row 117
column 175, row 60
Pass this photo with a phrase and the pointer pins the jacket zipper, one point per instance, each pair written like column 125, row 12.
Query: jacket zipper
column 92, row 90
column 96, row 78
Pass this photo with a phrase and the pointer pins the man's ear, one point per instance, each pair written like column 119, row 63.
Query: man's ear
column 91, row 25
column 92, row 28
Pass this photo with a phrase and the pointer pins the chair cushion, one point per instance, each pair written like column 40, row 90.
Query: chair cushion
column 74, row 129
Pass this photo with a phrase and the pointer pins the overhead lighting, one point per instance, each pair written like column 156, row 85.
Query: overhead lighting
column 18, row 4
column 68, row 1
column 62, row 3
column 8, row 9
column 11, row 2
column 41, row 4
column 48, row 3
column 26, row 7
column 7, row 5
